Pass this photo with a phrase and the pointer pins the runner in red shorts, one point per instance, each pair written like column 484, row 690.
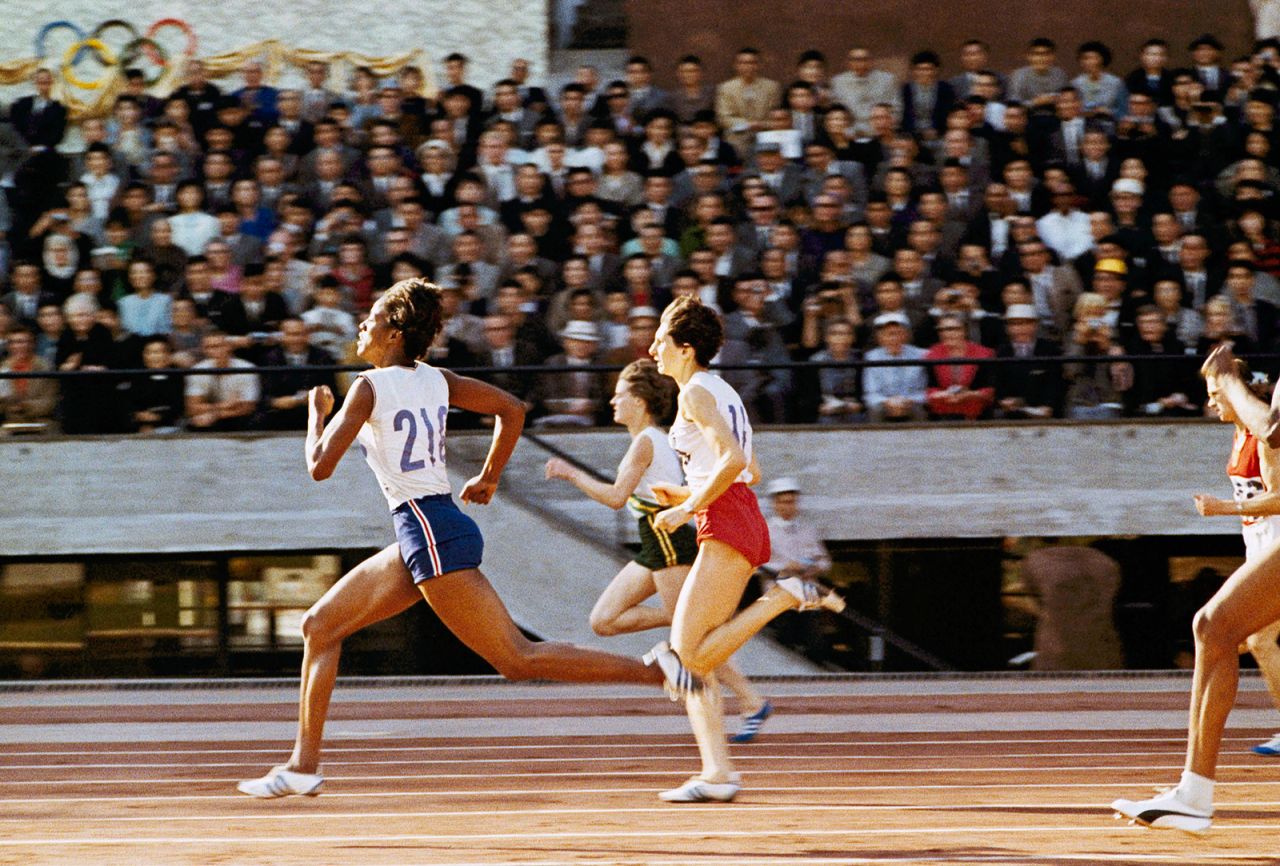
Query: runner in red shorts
column 712, row 435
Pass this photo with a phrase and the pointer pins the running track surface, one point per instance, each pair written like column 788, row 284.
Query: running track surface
column 933, row 771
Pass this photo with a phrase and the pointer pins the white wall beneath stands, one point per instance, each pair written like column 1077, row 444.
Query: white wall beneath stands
column 490, row 32
column 185, row 494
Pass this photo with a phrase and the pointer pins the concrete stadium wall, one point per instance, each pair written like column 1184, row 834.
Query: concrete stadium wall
column 490, row 32
column 132, row 495
column 894, row 29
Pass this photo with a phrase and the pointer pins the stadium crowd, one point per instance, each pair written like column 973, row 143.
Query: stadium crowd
column 962, row 213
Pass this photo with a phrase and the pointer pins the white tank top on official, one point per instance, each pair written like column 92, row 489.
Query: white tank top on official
column 664, row 467
column 403, row 440
column 698, row 458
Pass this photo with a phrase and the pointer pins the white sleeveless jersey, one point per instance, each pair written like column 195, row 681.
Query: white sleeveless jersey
column 696, row 455
column 664, row 467
column 403, row 440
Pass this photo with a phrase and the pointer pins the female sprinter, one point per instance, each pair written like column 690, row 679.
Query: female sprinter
column 397, row 411
column 1254, row 472
column 712, row 435
column 1247, row 603
column 643, row 395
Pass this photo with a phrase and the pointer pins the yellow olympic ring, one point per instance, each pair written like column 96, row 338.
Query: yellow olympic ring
column 68, row 62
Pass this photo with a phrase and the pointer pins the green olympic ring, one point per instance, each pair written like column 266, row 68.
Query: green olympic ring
column 154, row 51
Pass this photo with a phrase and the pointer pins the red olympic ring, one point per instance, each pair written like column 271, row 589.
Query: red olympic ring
column 186, row 28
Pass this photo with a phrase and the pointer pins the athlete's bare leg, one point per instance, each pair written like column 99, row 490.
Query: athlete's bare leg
column 1247, row 603
column 669, row 582
column 706, row 716
column 620, row 610
column 1267, row 652
column 466, row 603
column 376, row 589
column 705, row 632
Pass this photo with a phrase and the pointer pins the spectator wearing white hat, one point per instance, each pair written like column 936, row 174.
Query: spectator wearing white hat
column 797, row 547
column 573, row 399
column 1027, row 390
column 894, row 393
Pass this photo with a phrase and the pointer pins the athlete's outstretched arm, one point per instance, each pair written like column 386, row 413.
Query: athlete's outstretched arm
column 630, row 471
column 485, row 399
column 327, row 444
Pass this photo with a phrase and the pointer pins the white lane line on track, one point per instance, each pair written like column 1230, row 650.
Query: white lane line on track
column 556, row 792
column 613, row 774
column 721, row 809
column 560, row 759
column 703, row 833
column 646, row 744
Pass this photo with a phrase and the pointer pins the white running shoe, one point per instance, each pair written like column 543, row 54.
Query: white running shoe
column 1270, row 748
column 680, row 683
column 811, row 595
column 281, row 782
column 1165, row 812
column 698, row 790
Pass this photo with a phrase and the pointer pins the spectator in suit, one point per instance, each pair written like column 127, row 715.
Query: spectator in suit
column 1152, row 77
column 840, row 391
column 1253, row 317
column 1053, row 287
column 316, row 96
column 861, row 87
column 1036, row 85
column 26, row 295
column 744, row 101
column 1206, row 55
column 644, row 96
column 258, row 98
column 691, row 95
column 573, row 399
column 975, row 59
column 285, row 394
column 1027, row 390
column 926, row 101
column 1159, row 389
column 40, row 120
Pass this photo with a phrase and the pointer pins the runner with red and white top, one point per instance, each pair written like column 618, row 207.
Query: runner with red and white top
column 712, row 435
column 1245, row 610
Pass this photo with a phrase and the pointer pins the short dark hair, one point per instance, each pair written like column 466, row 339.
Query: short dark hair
column 692, row 323
column 413, row 309
column 926, row 57
column 1096, row 47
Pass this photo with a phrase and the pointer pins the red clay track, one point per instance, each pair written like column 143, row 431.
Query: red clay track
column 1022, row 797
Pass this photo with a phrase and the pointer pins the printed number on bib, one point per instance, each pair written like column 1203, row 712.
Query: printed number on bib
column 435, row 437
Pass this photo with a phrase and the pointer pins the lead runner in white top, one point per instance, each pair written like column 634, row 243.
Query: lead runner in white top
column 397, row 332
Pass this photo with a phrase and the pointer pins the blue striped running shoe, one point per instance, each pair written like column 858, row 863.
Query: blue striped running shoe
column 1164, row 812
column 751, row 724
column 680, row 683
column 698, row 790
column 282, row 782
column 1270, row 748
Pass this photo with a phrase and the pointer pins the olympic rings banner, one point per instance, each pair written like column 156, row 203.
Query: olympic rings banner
column 89, row 64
